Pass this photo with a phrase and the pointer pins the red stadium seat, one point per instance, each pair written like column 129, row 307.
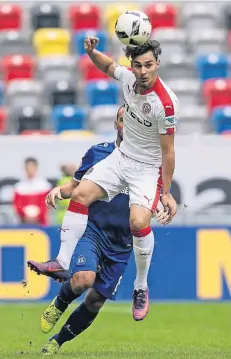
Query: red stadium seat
column 10, row 17
column 84, row 16
column 226, row 133
column 217, row 92
column 162, row 15
column 36, row 132
column 3, row 118
column 89, row 71
column 18, row 67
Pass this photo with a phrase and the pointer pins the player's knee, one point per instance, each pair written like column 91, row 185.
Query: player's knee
column 136, row 224
column 81, row 281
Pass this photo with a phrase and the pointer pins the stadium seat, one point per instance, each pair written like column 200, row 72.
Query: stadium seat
column 3, row 120
column 177, row 66
column 68, row 118
column 17, row 67
column 217, row 93
column 26, row 118
column 221, row 119
column 200, row 16
column 113, row 11
column 101, row 119
column 36, row 133
column 10, row 17
column 77, row 133
column 206, row 41
column 20, row 93
column 187, row 90
column 79, row 37
column 89, row 71
column 173, row 41
column 51, row 42
column 62, row 93
column 193, row 119
column 2, row 92
column 102, row 93
column 57, row 68
column 162, row 15
column 45, row 16
column 212, row 66
column 15, row 42
column 84, row 16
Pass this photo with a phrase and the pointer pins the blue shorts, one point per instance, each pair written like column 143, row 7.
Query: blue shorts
column 91, row 255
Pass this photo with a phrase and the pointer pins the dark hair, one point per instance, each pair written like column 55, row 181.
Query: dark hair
column 117, row 115
column 31, row 159
column 150, row 45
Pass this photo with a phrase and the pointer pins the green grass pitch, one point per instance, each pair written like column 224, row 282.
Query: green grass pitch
column 171, row 331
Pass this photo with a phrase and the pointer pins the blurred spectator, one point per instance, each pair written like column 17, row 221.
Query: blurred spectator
column 67, row 172
column 29, row 195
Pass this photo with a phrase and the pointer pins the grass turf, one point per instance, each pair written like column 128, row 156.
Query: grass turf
column 171, row 331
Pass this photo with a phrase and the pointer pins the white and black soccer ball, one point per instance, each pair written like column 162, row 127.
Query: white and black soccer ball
column 133, row 28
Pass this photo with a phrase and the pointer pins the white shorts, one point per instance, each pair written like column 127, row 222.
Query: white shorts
column 117, row 171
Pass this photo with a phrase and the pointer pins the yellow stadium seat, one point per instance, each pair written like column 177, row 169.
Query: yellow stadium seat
column 123, row 60
column 77, row 133
column 113, row 11
column 50, row 42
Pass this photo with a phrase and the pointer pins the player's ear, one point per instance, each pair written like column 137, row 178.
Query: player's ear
column 115, row 125
column 158, row 64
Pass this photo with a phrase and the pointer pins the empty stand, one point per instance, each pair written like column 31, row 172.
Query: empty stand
column 197, row 15
column 10, row 17
column 172, row 41
column 221, row 119
column 17, row 67
column 84, row 16
column 68, row 118
column 162, row 15
column 20, row 93
column 3, row 120
column 62, row 93
column 217, row 93
column 51, row 42
column 45, row 16
column 212, row 66
column 102, row 93
column 79, row 37
column 89, row 71
column 15, row 42
column 102, row 118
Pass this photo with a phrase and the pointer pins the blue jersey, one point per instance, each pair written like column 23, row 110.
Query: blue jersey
column 108, row 219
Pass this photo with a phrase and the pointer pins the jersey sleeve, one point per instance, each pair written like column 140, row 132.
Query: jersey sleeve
column 121, row 73
column 86, row 164
column 167, row 119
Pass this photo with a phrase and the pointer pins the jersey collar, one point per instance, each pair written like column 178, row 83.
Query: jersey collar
column 153, row 88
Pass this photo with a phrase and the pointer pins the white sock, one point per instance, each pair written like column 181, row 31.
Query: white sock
column 73, row 227
column 143, row 249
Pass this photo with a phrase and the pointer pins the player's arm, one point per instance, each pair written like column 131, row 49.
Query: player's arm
column 101, row 61
column 168, row 161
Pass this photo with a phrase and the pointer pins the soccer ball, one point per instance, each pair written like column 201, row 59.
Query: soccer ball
column 133, row 28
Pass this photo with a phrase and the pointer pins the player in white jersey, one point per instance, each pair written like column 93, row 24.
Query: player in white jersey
column 144, row 162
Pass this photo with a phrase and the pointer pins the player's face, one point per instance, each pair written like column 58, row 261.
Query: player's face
column 31, row 169
column 119, row 123
column 145, row 69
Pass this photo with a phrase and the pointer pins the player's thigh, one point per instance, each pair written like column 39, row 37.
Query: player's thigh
column 84, row 262
column 109, row 278
column 94, row 301
column 107, row 175
column 87, row 192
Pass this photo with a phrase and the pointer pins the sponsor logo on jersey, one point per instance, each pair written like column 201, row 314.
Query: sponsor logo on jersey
column 146, row 108
column 90, row 171
column 125, row 191
column 81, row 260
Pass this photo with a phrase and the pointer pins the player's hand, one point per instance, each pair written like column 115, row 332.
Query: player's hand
column 90, row 43
column 162, row 216
column 169, row 205
column 54, row 194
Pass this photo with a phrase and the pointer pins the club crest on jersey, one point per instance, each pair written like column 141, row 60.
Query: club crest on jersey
column 81, row 260
column 146, row 108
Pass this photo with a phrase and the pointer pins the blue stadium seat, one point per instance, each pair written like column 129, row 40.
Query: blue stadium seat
column 80, row 36
column 1, row 92
column 68, row 118
column 212, row 66
column 221, row 119
column 102, row 93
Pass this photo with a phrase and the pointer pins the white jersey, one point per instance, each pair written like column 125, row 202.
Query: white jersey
column 146, row 117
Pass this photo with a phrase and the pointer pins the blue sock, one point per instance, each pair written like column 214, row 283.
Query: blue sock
column 78, row 321
column 65, row 296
